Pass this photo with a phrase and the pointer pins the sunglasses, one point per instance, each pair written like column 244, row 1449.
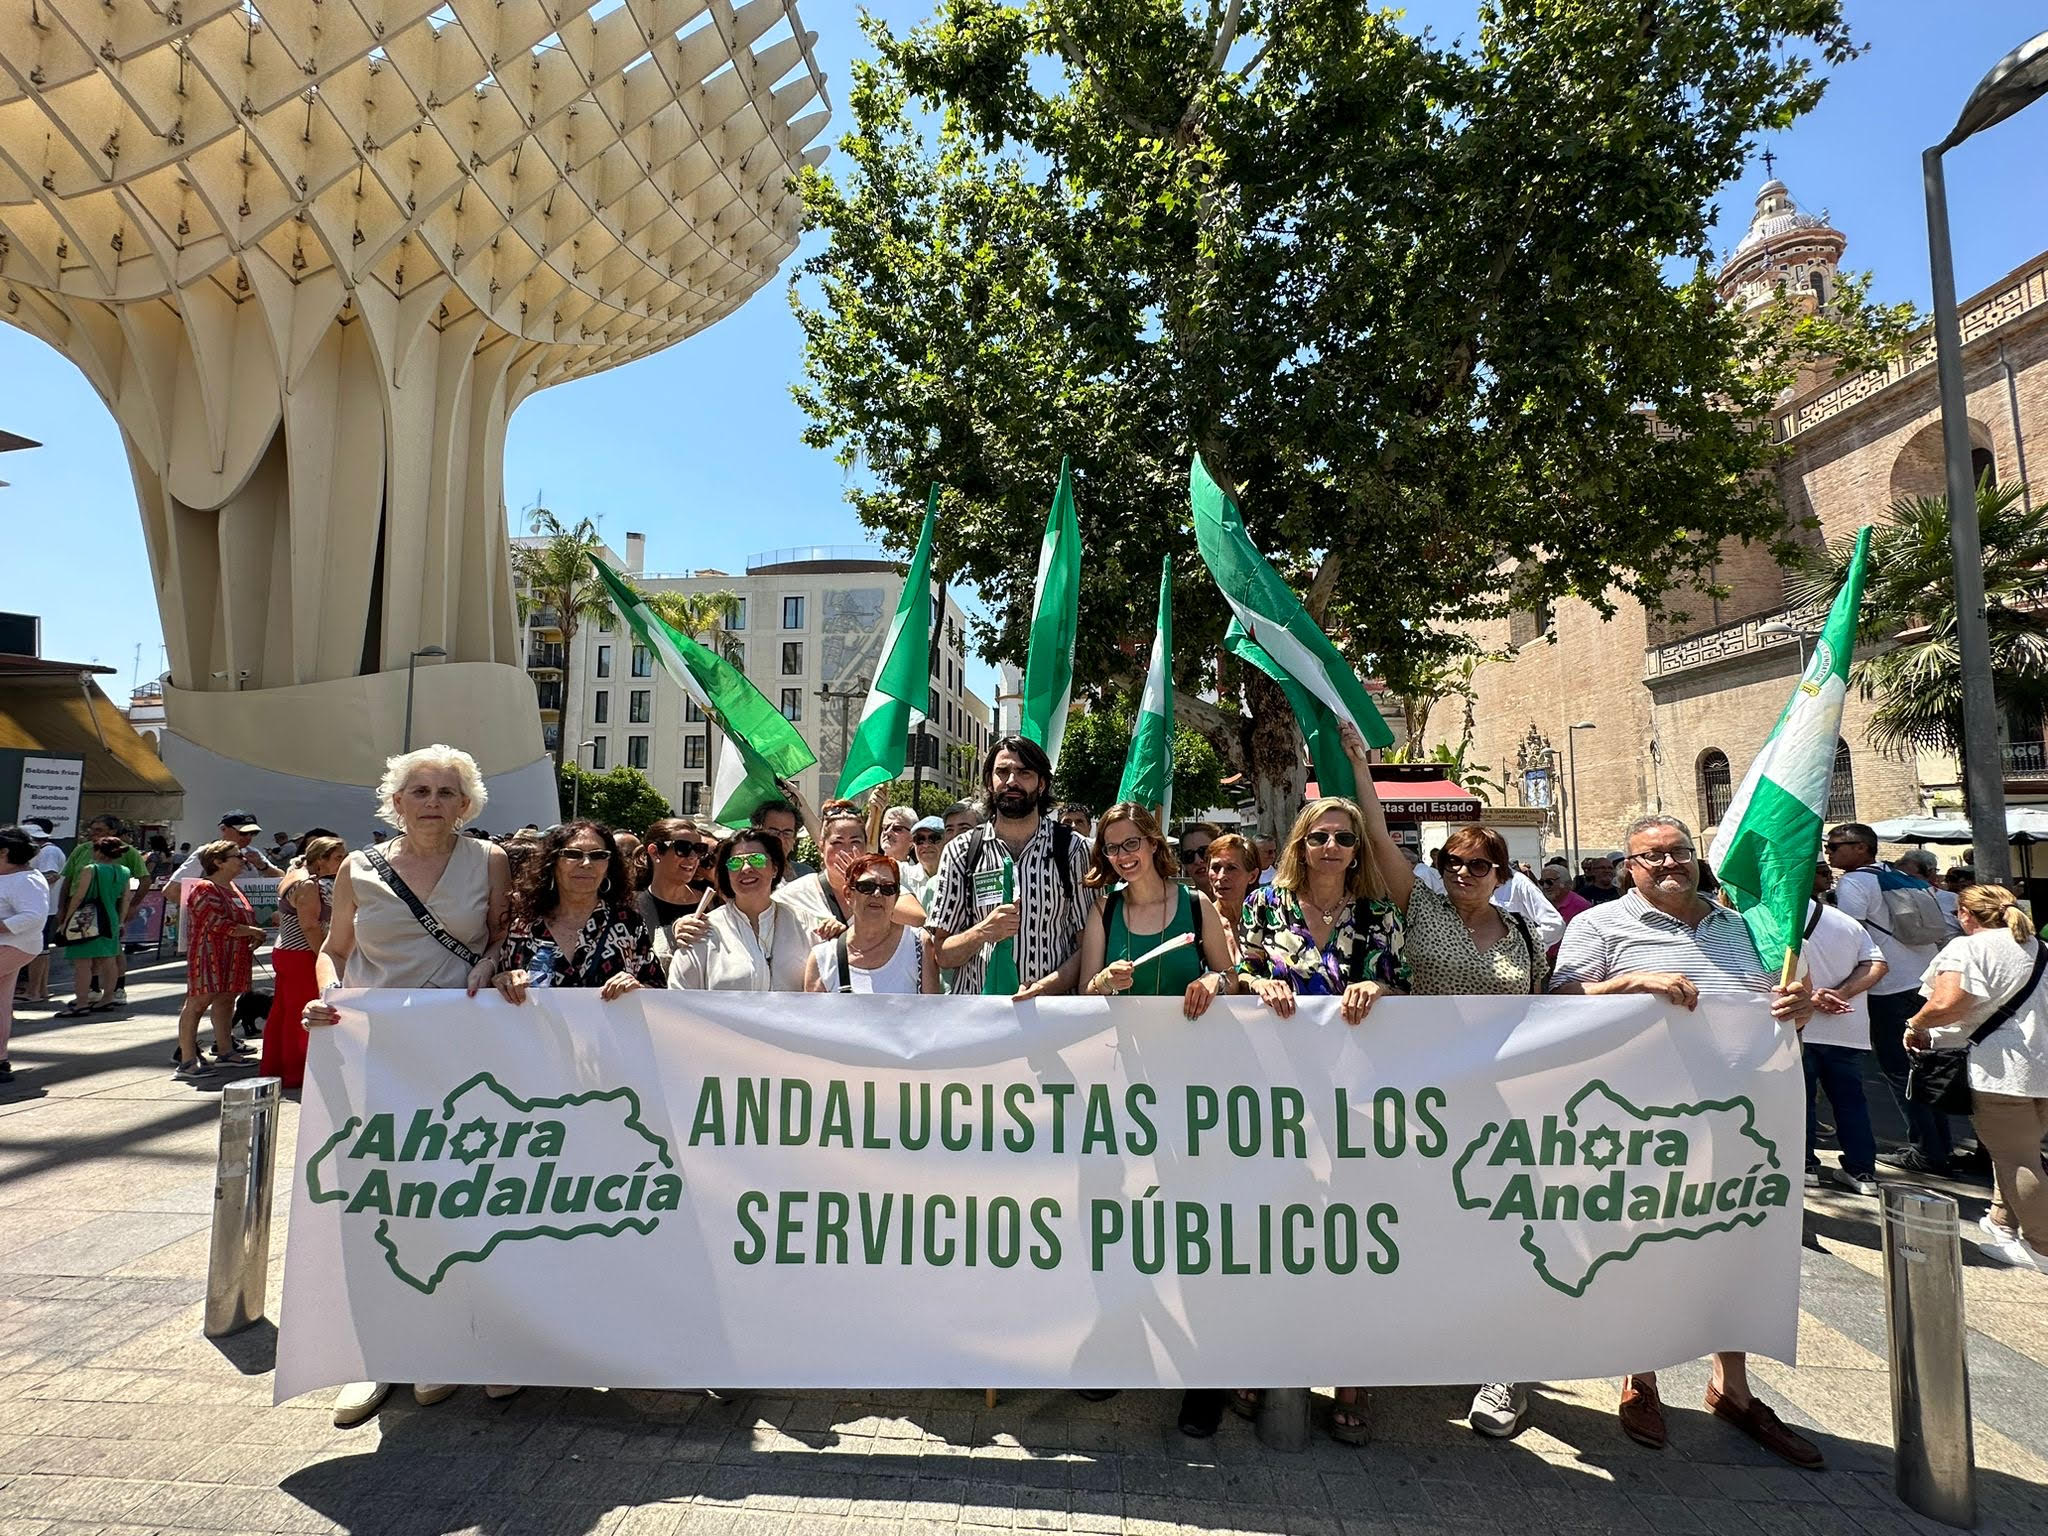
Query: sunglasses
column 926, row 837
column 741, row 861
column 680, row 848
column 584, row 855
column 868, row 887
column 1341, row 839
column 1473, row 867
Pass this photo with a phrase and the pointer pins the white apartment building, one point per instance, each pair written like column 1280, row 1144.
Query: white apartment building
column 808, row 632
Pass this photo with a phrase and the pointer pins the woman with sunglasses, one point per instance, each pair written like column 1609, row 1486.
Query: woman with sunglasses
column 751, row 942
column 675, row 874
column 878, row 952
column 574, row 923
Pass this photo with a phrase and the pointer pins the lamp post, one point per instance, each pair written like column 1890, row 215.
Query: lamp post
column 576, row 781
column 411, row 663
column 2014, row 82
column 827, row 693
column 1571, row 752
column 1779, row 629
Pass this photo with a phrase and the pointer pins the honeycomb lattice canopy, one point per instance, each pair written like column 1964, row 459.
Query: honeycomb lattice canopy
column 314, row 253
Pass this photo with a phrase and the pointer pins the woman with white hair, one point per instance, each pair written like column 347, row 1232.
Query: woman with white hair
column 424, row 909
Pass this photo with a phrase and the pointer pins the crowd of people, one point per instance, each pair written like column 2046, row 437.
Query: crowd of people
column 1019, row 897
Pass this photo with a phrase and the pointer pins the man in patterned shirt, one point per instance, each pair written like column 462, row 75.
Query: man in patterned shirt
column 1665, row 939
column 1008, row 896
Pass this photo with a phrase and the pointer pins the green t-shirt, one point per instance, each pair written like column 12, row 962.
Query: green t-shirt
column 81, row 856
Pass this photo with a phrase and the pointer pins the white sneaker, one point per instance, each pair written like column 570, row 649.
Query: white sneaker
column 498, row 1393
column 357, row 1401
column 1993, row 1231
column 2008, row 1248
column 428, row 1393
column 1497, row 1408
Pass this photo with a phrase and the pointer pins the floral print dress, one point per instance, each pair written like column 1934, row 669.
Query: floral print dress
column 1367, row 943
column 614, row 940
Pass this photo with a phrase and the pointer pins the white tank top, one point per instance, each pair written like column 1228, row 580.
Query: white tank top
column 902, row 972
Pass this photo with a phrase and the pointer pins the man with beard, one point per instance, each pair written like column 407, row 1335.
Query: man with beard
column 1008, row 904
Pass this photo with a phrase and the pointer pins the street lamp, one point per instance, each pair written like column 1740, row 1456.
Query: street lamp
column 411, row 663
column 827, row 693
column 576, row 781
column 1571, row 752
column 1778, row 629
column 2014, row 82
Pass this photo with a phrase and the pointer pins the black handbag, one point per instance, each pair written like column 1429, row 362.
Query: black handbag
column 1940, row 1080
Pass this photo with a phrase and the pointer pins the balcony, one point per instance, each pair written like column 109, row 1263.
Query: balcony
column 2023, row 759
column 544, row 658
column 544, row 619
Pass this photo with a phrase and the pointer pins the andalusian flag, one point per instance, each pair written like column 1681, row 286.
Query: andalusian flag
column 1275, row 634
column 1148, row 766
column 1055, row 619
column 902, row 683
column 765, row 746
column 1770, row 838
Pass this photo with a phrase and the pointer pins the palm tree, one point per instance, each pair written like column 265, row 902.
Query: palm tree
column 1909, row 614
column 700, row 615
column 556, row 575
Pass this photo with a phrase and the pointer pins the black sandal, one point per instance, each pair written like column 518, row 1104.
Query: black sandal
column 1245, row 1402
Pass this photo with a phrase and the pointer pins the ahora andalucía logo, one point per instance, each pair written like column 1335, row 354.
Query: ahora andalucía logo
column 490, row 1167
column 1595, row 1184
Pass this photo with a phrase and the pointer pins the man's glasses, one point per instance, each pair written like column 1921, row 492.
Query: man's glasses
column 583, row 855
column 1658, row 858
column 740, row 861
column 866, row 886
column 1128, row 846
column 1472, row 867
column 1341, row 839
column 680, row 848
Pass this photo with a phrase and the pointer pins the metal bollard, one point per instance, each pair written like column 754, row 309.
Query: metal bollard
column 1282, row 1423
column 239, row 1263
column 1935, row 1469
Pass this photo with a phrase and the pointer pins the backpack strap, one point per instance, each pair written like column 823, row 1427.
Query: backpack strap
column 2011, row 1005
column 1813, row 921
column 1063, row 857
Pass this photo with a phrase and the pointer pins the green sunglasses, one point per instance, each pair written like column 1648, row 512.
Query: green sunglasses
column 747, row 861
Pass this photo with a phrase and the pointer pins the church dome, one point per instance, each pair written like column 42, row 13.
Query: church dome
column 1784, row 247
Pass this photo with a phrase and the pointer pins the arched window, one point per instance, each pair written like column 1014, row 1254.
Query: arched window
column 1842, row 786
column 1982, row 466
column 1716, row 788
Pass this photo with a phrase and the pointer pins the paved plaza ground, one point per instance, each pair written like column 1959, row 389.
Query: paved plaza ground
column 116, row 1415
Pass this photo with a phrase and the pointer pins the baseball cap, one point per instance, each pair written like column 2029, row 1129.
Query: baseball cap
column 37, row 827
column 241, row 821
column 928, row 824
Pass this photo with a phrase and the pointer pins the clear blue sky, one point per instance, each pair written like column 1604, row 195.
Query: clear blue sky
column 699, row 446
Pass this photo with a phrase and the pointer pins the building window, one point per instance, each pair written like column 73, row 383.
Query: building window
column 949, row 718
column 692, row 715
column 604, row 661
column 693, row 751
column 1982, row 466
column 601, row 707
column 933, row 712
column 1526, row 625
column 793, row 657
column 636, row 751
column 643, row 661
column 640, row 706
column 792, row 613
column 792, row 703
column 1716, row 789
column 598, row 750
column 604, row 625
column 739, row 615
column 690, row 800
column 736, row 654
column 1842, row 786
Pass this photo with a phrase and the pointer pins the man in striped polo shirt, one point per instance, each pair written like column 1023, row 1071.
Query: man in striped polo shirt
column 1666, row 939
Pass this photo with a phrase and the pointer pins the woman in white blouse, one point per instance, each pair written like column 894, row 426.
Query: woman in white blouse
column 24, row 908
column 752, row 943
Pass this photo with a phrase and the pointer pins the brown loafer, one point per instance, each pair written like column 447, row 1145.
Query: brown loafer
column 1642, row 1414
column 1768, row 1430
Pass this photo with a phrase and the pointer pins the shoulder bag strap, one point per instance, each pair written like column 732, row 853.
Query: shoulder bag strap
column 418, row 908
column 1535, row 956
column 2011, row 1006
column 839, row 956
column 1813, row 922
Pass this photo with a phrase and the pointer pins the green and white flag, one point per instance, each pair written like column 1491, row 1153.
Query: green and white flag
column 1769, row 840
column 1320, row 727
column 764, row 745
column 897, row 699
column 1291, row 648
column 1148, row 766
column 1055, row 620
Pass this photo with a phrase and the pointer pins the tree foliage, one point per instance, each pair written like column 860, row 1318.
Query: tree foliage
column 621, row 798
column 1409, row 298
column 556, row 575
column 1091, row 765
column 1914, row 669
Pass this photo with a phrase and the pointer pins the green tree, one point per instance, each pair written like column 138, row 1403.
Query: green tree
column 1092, row 762
column 1914, row 669
column 621, row 798
column 1408, row 298
column 555, row 575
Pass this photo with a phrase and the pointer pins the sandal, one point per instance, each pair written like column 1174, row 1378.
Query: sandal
column 1350, row 1423
column 1245, row 1402
column 73, row 1011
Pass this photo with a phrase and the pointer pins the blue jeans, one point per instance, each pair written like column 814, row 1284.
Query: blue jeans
column 1927, row 1129
column 1837, row 1070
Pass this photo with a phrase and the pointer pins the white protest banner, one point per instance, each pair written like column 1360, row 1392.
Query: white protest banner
column 689, row 1188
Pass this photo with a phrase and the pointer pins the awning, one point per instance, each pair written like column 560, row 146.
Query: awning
column 1414, row 792
column 52, row 716
column 2023, row 824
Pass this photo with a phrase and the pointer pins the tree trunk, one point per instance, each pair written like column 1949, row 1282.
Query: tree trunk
column 568, row 626
column 1272, row 754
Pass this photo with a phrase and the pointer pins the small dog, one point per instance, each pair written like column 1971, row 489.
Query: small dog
column 251, row 1009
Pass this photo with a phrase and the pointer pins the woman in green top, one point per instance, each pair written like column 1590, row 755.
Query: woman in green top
column 1146, row 906
column 102, row 887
